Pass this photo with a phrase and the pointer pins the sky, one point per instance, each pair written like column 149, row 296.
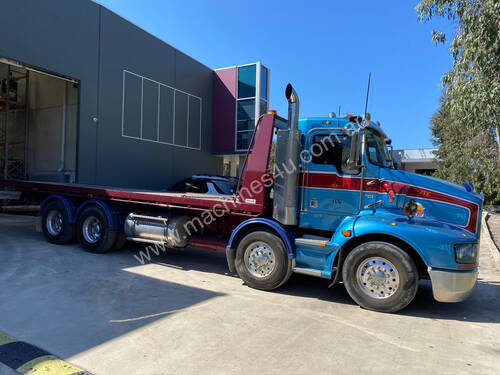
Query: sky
column 326, row 49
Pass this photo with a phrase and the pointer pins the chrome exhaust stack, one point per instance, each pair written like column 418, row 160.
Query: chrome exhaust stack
column 293, row 107
column 287, row 165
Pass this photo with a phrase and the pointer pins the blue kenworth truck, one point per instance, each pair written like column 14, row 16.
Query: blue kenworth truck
column 335, row 207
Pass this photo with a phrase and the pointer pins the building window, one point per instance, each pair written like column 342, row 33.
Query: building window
column 252, row 80
column 263, row 83
column 246, row 111
column 247, row 81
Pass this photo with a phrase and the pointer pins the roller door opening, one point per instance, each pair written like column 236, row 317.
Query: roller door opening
column 38, row 124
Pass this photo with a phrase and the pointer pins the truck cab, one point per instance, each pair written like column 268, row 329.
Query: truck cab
column 350, row 215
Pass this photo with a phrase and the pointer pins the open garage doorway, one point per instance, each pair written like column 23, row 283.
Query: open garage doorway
column 38, row 124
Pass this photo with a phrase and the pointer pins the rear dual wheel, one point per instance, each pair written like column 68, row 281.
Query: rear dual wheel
column 92, row 228
column 93, row 231
column 56, row 223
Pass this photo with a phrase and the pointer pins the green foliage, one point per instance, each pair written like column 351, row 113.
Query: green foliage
column 465, row 128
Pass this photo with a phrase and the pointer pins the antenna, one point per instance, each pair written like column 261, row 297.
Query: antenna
column 368, row 92
column 339, row 110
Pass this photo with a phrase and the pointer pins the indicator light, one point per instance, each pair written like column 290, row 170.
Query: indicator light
column 468, row 267
column 346, row 233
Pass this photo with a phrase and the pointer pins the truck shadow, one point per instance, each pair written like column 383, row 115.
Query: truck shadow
column 68, row 301
column 481, row 307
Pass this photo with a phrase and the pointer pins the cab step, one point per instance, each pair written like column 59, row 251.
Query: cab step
column 312, row 240
column 313, row 272
column 307, row 271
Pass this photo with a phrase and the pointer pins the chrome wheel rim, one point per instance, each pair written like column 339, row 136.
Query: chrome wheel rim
column 377, row 278
column 54, row 222
column 92, row 229
column 259, row 259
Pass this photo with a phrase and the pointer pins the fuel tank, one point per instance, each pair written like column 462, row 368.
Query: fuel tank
column 167, row 229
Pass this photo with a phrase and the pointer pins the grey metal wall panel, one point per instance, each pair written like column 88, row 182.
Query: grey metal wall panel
column 192, row 79
column 194, row 128
column 131, row 105
column 146, row 161
column 166, row 114
column 181, row 118
column 150, row 110
column 60, row 36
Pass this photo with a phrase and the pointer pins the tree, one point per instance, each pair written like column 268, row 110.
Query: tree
column 466, row 126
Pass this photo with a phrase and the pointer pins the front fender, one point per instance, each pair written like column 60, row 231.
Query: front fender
column 433, row 241
column 338, row 240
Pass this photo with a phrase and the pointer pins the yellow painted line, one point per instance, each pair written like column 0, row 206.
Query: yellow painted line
column 28, row 359
column 47, row 365
column 6, row 339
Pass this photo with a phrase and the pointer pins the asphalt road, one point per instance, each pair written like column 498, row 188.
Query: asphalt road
column 184, row 314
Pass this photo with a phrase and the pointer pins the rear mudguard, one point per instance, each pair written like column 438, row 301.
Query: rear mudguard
column 74, row 207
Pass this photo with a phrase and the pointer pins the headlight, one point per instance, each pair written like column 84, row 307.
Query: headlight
column 466, row 253
column 413, row 208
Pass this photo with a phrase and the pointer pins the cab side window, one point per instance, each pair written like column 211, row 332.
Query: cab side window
column 331, row 149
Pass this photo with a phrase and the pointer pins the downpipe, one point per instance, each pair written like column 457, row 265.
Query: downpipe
column 63, row 130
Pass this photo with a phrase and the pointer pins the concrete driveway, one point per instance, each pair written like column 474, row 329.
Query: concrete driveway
column 184, row 314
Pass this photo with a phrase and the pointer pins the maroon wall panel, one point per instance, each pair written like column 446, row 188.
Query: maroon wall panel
column 224, row 110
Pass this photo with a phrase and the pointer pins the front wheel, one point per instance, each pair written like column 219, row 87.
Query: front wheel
column 380, row 277
column 262, row 261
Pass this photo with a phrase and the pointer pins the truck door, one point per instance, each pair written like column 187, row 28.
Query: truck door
column 329, row 191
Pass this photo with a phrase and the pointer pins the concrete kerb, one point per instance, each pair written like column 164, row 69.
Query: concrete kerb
column 495, row 253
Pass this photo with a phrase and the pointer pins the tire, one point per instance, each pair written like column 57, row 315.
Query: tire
column 121, row 240
column 380, row 277
column 262, row 261
column 56, row 225
column 93, row 231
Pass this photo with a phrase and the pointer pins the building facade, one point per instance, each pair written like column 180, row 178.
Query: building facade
column 241, row 96
column 92, row 98
column 420, row 160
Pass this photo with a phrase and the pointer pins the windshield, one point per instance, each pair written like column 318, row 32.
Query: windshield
column 378, row 152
